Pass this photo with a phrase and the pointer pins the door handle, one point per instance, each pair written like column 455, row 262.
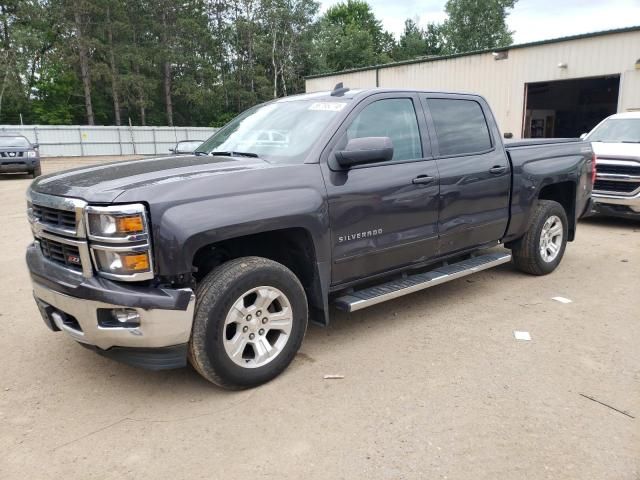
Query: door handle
column 498, row 169
column 422, row 180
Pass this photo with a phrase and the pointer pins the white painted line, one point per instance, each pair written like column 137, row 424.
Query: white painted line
column 561, row 300
column 522, row 335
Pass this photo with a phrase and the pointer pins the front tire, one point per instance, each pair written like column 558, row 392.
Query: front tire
column 37, row 171
column 542, row 247
column 251, row 316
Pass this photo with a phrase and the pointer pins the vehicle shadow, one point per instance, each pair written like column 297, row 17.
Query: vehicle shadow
column 604, row 221
column 15, row 176
column 186, row 383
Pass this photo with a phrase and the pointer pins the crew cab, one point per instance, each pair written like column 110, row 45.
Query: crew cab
column 616, row 143
column 346, row 198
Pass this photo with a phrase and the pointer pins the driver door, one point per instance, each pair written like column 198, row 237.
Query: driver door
column 383, row 215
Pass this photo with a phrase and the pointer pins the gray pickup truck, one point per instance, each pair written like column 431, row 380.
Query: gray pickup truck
column 347, row 197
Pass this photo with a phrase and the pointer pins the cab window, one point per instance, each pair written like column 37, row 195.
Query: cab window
column 394, row 118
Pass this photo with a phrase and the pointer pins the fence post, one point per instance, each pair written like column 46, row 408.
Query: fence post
column 155, row 143
column 81, row 142
column 119, row 139
column 133, row 141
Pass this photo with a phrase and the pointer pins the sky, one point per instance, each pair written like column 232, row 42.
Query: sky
column 531, row 20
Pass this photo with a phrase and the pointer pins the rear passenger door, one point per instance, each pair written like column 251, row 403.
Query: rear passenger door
column 475, row 177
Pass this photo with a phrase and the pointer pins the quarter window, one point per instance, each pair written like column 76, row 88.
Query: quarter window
column 394, row 118
column 461, row 127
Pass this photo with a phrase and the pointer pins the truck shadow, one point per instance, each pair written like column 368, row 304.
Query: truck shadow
column 185, row 386
column 609, row 222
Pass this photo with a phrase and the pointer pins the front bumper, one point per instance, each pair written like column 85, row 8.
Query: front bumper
column 73, row 304
column 18, row 166
column 616, row 205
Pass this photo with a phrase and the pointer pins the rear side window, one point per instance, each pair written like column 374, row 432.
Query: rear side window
column 394, row 118
column 460, row 126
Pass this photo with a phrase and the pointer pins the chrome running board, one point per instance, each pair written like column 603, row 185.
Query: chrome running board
column 367, row 297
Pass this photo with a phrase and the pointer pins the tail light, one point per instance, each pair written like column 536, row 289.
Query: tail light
column 594, row 161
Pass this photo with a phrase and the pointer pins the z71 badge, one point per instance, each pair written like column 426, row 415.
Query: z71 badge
column 357, row 236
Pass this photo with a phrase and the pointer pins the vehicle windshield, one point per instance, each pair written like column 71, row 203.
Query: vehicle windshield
column 14, row 142
column 617, row 130
column 279, row 132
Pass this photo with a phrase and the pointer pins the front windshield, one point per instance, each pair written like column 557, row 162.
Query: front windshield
column 617, row 130
column 14, row 142
column 276, row 132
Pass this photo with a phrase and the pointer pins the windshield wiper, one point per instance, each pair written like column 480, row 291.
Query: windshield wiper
column 236, row 154
column 630, row 141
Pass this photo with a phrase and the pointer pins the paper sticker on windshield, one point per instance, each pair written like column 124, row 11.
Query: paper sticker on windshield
column 328, row 106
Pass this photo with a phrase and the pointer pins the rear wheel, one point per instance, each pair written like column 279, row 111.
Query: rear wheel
column 251, row 316
column 541, row 249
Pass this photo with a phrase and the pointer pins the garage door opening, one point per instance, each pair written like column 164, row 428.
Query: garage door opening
column 568, row 108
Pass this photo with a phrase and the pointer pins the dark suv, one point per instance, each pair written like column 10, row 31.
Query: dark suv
column 19, row 155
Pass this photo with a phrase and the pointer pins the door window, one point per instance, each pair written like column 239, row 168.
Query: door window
column 461, row 127
column 394, row 118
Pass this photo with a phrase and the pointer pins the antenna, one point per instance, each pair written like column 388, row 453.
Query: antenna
column 339, row 90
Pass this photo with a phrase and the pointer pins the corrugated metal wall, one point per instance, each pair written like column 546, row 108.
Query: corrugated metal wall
column 502, row 82
column 71, row 141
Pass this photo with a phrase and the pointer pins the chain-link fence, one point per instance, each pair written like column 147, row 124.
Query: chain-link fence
column 74, row 141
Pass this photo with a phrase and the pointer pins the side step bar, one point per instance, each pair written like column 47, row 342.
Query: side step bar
column 367, row 297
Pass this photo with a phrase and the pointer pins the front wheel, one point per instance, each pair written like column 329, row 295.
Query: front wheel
column 37, row 171
column 541, row 249
column 251, row 317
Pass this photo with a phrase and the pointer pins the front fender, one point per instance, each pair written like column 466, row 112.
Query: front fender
column 185, row 228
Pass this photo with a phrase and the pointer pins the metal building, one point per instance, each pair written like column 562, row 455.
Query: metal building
column 553, row 88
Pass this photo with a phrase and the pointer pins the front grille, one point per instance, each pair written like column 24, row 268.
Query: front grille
column 618, row 169
column 54, row 217
column 613, row 186
column 11, row 154
column 68, row 255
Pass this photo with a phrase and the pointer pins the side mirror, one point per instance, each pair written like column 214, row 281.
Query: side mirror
column 172, row 150
column 35, row 146
column 583, row 136
column 365, row 150
column 508, row 135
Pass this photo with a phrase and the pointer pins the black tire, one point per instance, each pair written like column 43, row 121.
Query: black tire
column 216, row 295
column 37, row 171
column 527, row 256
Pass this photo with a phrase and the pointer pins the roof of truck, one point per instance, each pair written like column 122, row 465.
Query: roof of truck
column 362, row 92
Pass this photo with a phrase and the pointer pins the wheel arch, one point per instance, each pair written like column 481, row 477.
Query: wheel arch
column 293, row 247
column 563, row 193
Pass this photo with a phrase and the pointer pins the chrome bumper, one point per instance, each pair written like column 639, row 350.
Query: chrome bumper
column 158, row 327
column 632, row 202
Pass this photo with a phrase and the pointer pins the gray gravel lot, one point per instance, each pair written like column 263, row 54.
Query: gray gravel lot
column 435, row 385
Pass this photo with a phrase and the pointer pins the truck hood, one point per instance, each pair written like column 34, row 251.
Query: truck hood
column 105, row 182
column 623, row 151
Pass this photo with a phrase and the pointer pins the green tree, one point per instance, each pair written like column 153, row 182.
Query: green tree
column 476, row 25
column 351, row 36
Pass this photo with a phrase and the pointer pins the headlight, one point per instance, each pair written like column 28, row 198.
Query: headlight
column 31, row 154
column 119, row 241
column 118, row 223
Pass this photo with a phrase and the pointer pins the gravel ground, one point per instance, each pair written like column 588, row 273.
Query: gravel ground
column 435, row 385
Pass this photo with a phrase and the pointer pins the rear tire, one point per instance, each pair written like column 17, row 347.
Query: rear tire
column 251, row 316
column 542, row 247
